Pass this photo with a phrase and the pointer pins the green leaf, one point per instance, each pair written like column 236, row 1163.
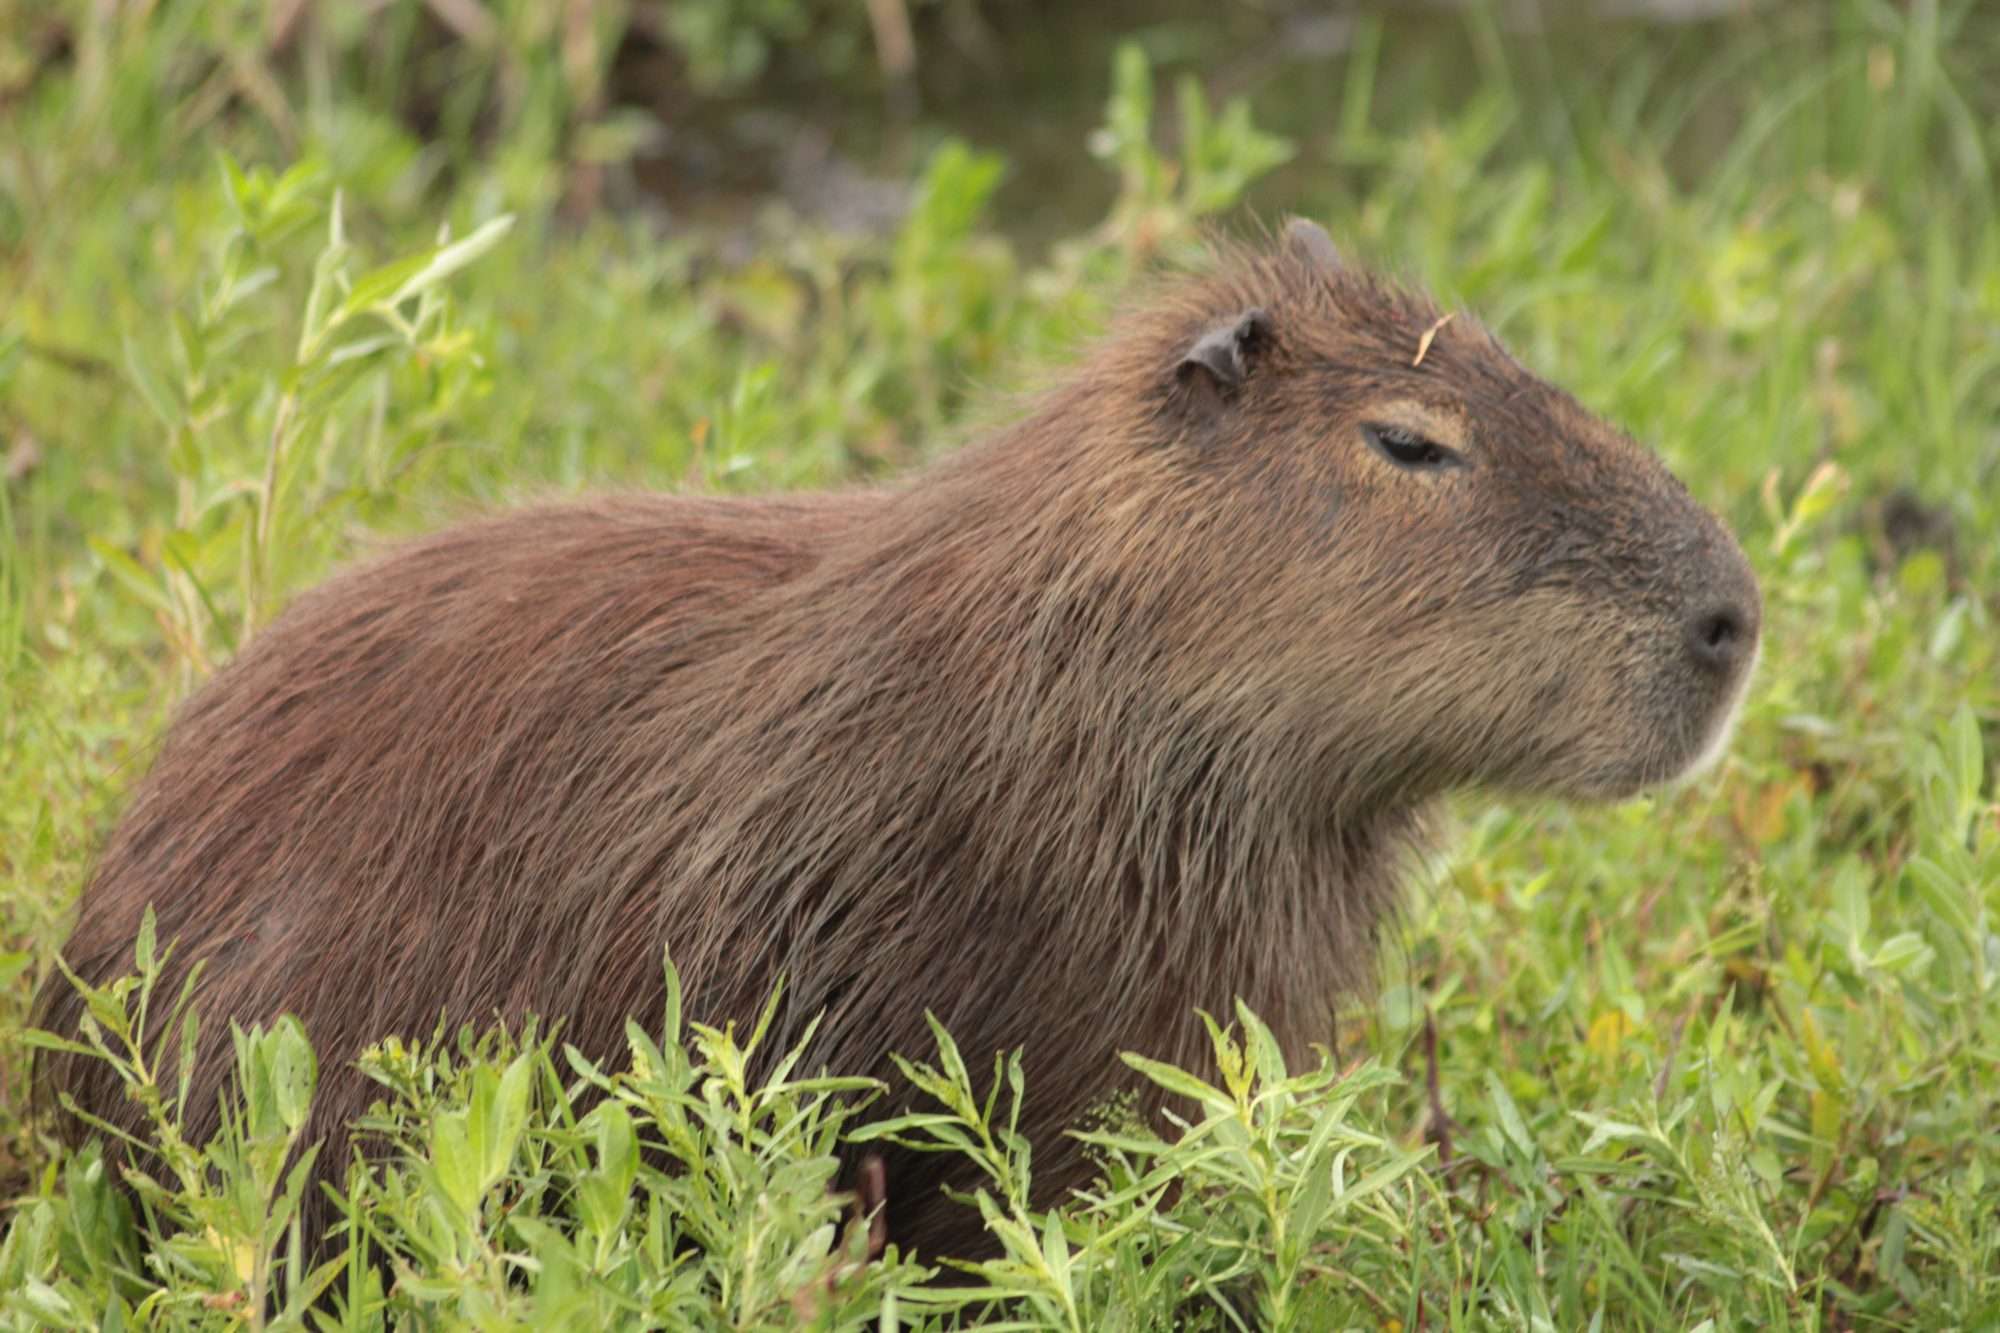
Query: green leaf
column 1902, row 953
column 452, row 1157
column 902, row 1124
column 107, row 1006
column 1386, row 1174
column 48, row 1304
column 294, row 1073
column 360, row 349
column 1951, row 900
column 180, row 549
column 377, row 287
column 159, row 399
column 1181, row 1082
column 617, row 1147
column 190, row 1039
column 245, row 287
column 1055, row 1253
column 1822, row 490
column 236, row 187
column 1509, row 1115
column 43, row 1040
column 1605, row 1130
column 1311, row 1199
column 395, row 283
column 948, row 1056
column 670, row 1021
column 766, row 1016
column 1259, row 1041
column 128, row 572
column 142, row 948
column 1949, row 632
column 1129, row 114
column 507, row 1119
column 1966, row 765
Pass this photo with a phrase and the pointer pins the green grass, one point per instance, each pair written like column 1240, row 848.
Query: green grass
column 1723, row 1058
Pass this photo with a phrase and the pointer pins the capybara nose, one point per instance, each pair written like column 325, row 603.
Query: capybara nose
column 1722, row 636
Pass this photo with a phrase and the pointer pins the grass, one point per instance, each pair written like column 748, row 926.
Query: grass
column 1720, row 1058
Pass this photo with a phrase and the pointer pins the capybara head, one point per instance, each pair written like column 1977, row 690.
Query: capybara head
column 1425, row 563
column 1129, row 708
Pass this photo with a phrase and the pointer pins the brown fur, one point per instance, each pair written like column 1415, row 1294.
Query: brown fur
column 1131, row 707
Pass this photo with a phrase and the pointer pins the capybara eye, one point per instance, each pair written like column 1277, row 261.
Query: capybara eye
column 1411, row 451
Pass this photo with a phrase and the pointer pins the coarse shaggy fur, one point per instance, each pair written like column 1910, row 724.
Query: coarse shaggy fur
column 1133, row 706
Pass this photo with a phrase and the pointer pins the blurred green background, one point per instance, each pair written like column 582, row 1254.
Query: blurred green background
column 280, row 279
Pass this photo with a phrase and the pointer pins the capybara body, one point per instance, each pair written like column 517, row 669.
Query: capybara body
column 1127, row 709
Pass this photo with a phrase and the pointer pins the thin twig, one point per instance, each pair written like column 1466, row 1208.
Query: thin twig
column 895, row 45
column 1424, row 343
column 1438, row 1127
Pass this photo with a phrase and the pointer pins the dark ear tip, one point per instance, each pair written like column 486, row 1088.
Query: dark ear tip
column 1309, row 241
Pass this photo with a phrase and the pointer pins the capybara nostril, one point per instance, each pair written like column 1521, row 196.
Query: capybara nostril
column 1721, row 637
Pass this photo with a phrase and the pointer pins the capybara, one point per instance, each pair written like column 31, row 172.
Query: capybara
column 1133, row 706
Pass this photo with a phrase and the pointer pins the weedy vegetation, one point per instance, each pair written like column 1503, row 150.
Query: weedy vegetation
column 1727, row 1057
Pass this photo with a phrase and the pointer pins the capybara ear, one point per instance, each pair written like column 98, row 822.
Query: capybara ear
column 1223, row 357
column 1309, row 241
